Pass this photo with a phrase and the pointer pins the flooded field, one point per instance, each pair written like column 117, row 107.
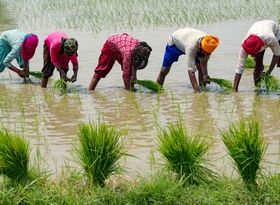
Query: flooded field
column 51, row 122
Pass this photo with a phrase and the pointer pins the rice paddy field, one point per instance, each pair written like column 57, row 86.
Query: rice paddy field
column 50, row 121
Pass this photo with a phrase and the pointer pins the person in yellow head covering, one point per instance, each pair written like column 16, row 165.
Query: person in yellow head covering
column 197, row 46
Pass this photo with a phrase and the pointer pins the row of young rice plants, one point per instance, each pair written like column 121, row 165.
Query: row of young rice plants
column 101, row 146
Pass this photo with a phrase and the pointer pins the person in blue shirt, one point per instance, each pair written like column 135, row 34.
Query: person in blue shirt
column 15, row 44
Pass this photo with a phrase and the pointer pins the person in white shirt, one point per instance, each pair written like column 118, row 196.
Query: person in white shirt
column 197, row 46
column 262, row 34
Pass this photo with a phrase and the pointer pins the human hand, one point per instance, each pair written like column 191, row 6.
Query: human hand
column 73, row 78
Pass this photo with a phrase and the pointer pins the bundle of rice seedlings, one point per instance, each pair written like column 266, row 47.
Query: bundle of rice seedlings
column 149, row 84
column 270, row 83
column 36, row 74
column 185, row 154
column 225, row 84
column 60, row 86
column 250, row 62
column 246, row 147
column 99, row 151
column 14, row 156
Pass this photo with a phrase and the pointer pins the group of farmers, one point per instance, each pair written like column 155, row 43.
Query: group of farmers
column 133, row 54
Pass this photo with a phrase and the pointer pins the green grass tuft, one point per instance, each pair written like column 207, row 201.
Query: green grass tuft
column 270, row 83
column 99, row 151
column 225, row 84
column 14, row 156
column 250, row 62
column 184, row 154
column 60, row 86
column 246, row 147
column 149, row 84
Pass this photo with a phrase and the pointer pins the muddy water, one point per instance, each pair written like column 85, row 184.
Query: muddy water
column 51, row 122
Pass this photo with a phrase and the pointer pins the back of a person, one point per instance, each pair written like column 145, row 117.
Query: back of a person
column 122, row 43
column 55, row 38
column 13, row 36
column 264, row 29
column 186, row 37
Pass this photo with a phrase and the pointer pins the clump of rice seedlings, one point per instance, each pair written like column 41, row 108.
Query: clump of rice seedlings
column 36, row 74
column 270, row 83
column 246, row 147
column 250, row 62
column 149, row 84
column 60, row 86
column 185, row 153
column 99, row 151
column 225, row 84
column 14, row 156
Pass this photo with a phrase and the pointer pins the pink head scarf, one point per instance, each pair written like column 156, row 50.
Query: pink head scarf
column 253, row 44
column 28, row 47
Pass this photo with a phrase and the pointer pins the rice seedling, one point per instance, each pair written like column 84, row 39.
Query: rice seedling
column 246, row 147
column 225, row 84
column 185, row 153
column 14, row 156
column 60, row 86
column 36, row 74
column 250, row 62
column 149, row 84
column 270, row 83
column 99, row 151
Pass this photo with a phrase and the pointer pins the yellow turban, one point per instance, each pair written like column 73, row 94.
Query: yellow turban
column 209, row 43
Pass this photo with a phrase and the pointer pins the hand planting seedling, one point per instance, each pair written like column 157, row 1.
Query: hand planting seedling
column 225, row 84
column 149, row 84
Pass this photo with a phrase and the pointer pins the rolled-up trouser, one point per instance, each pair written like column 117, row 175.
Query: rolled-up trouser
column 105, row 62
column 48, row 66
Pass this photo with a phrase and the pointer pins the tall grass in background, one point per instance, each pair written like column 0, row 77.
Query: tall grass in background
column 95, row 15
column 246, row 147
column 14, row 156
column 99, row 150
column 184, row 153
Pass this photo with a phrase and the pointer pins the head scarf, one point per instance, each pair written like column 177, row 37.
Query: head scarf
column 253, row 44
column 29, row 46
column 209, row 43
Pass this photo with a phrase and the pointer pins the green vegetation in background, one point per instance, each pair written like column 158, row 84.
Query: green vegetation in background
column 99, row 150
column 4, row 17
column 184, row 153
column 96, row 15
column 246, row 147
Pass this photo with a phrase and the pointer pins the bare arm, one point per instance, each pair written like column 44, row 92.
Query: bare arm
column 206, row 78
column 236, row 81
column 272, row 64
column 194, row 82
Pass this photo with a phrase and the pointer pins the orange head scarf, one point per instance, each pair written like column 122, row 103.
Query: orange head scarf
column 209, row 43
